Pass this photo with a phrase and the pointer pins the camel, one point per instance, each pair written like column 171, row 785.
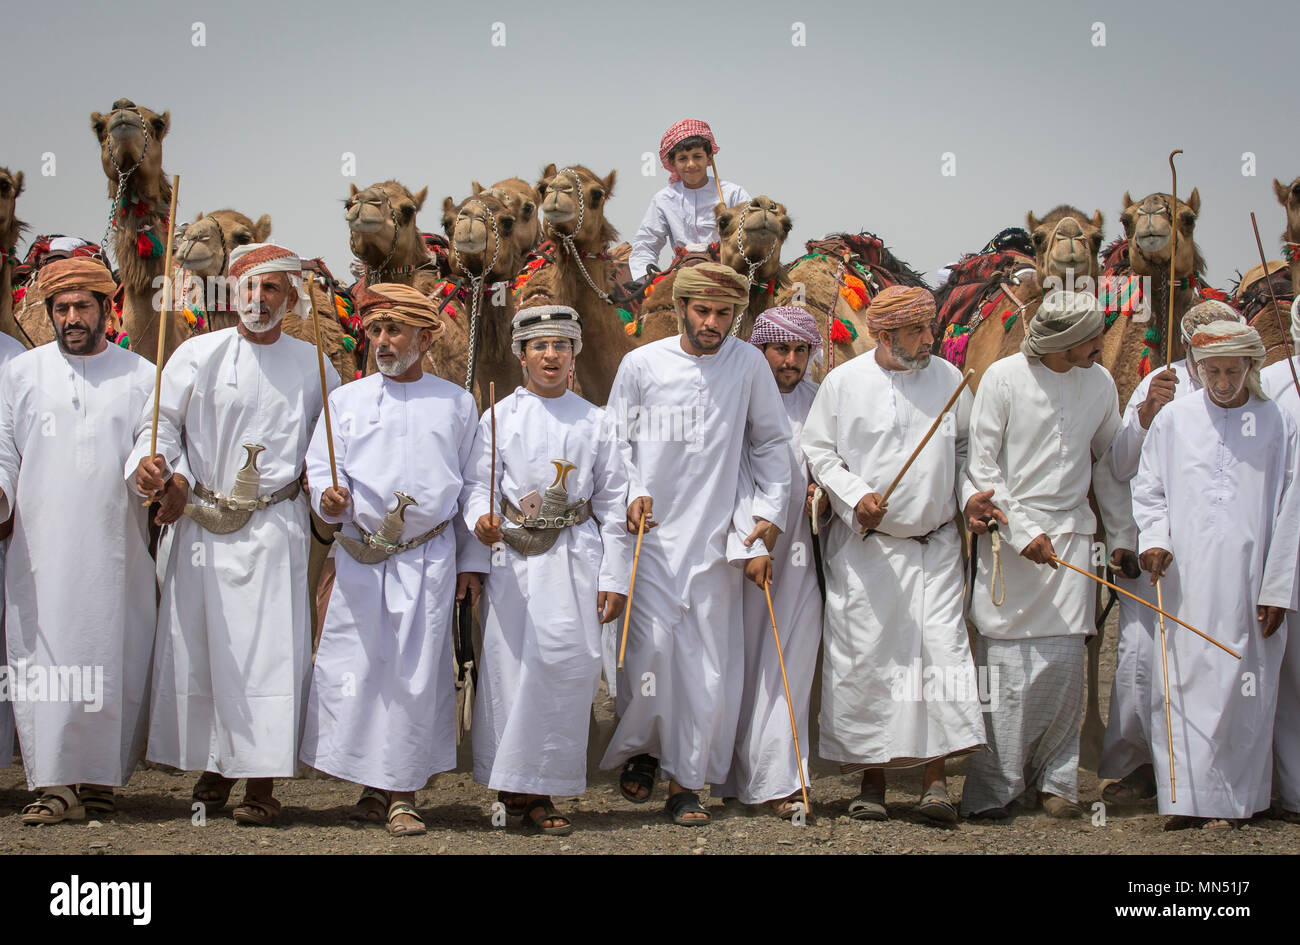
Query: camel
column 11, row 185
column 1132, row 348
column 385, row 239
column 834, row 280
column 1253, row 297
column 577, row 269
column 751, row 237
column 521, row 199
column 484, row 259
column 1289, row 197
column 1066, row 242
column 130, row 142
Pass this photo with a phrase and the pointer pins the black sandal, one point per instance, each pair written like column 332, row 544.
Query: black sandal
column 534, row 824
column 640, row 770
column 683, row 803
column 514, row 803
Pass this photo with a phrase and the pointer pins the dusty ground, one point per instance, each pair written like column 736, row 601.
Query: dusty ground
column 154, row 817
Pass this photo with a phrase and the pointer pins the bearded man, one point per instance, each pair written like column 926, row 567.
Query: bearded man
column 236, row 413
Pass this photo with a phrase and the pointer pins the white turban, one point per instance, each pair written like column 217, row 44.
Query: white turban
column 1231, row 340
column 545, row 321
column 1064, row 319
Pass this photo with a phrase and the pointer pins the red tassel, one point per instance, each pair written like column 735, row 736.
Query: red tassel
column 839, row 334
column 1144, row 365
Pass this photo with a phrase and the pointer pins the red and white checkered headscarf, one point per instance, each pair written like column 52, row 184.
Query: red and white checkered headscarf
column 686, row 128
column 789, row 324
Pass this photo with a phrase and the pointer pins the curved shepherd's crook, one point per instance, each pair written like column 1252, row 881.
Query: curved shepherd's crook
column 1173, row 261
column 164, row 316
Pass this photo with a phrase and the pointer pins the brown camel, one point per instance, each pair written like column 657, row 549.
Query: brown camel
column 521, row 199
column 130, row 143
column 576, row 269
column 1288, row 195
column 1133, row 347
column 1066, row 243
column 834, row 280
column 484, row 259
column 1254, row 296
column 751, row 237
column 11, row 185
column 385, row 238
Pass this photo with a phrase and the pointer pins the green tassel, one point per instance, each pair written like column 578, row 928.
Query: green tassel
column 349, row 343
column 624, row 315
column 1006, row 326
column 1151, row 336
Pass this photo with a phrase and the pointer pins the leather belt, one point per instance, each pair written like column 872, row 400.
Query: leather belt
column 919, row 539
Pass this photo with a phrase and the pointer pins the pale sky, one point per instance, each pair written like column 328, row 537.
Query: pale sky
column 849, row 130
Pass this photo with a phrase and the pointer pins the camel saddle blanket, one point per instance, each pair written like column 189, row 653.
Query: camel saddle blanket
column 388, row 549
column 289, row 491
column 537, row 535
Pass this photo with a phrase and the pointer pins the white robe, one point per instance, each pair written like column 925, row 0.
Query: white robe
column 1216, row 487
column 10, row 348
column 679, row 216
column 764, row 766
column 898, row 681
column 79, row 590
column 1039, row 438
column 689, row 419
column 382, row 703
column 540, row 665
column 1127, row 744
column 234, row 630
column 1279, row 385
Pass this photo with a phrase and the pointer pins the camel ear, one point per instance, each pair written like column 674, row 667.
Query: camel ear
column 161, row 125
column 98, row 124
column 475, row 188
column 1281, row 190
column 1031, row 222
column 419, row 198
column 786, row 225
column 1098, row 220
column 448, row 205
column 198, row 217
column 352, row 190
column 548, row 172
column 262, row 228
column 1194, row 202
column 609, row 182
column 1128, row 201
column 18, row 183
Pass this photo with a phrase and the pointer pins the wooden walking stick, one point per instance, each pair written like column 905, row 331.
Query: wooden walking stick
column 627, row 612
column 492, row 483
column 966, row 379
column 1157, row 609
column 1277, row 311
column 164, row 316
column 324, row 389
column 1169, row 725
column 789, row 703
column 717, row 181
column 1173, row 258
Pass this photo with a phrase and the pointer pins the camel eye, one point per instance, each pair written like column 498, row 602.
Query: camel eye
column 241, row 237
column 596, row 197
column 4, row 187
column 158, row 126
column 1039, row 237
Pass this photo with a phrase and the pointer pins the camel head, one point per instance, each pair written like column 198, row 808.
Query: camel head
column 381, row 220
column 204, row 248
column 761, row 226
column 1288, row 195
column 1148, row 226
column 1066, row 242
column 129, row 137
column 522, row 200
column 573, row 204
column 475, row 242
column 11, row 185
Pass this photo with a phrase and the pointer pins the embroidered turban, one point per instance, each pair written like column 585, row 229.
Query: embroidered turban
column 709, row 281
column 258, row 259
column 1064, row 319
column 1231, row 339
column 77, row 273
column 686, row 128
column 1202, row 313
column 401, row 303
column 899, row 306
column 545, row 321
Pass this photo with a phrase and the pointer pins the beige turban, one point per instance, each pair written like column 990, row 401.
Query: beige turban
column 1202, row 313
column 899, row 306
column 78, row 273
column 401, row 303
column 1064, row 319
column 545, row 321
column 709, row 281
column 1231, row 340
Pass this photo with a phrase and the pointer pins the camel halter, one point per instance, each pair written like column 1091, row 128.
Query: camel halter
column 202, row 287
column 753, row 268
column 476, row 285
column 376, row 274
column 122, row 177
column 567, row 239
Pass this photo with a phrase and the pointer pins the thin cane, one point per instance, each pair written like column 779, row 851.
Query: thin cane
column 1169, row 725
column 627, row 612
column 789, row 703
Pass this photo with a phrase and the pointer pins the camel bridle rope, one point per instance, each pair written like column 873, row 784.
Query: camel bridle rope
column 123, row 176
column 475, row 282
column 753, row 266
column 566, row 239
